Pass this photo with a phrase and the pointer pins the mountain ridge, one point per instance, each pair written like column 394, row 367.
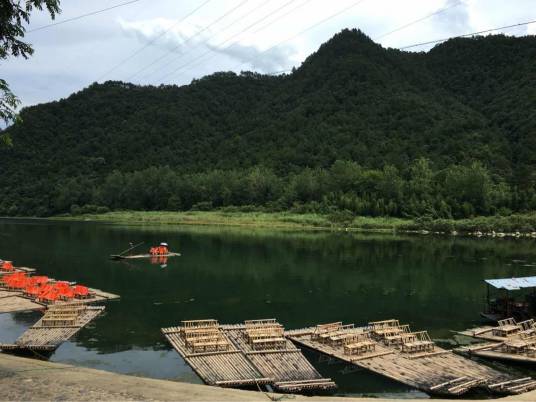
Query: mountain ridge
column 465, row 100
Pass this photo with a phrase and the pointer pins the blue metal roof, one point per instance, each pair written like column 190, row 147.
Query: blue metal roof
column 513, row 283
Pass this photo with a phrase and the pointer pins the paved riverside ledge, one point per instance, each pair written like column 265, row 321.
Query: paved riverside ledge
column 35, row 380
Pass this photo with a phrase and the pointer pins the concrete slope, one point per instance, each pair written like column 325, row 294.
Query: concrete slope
column 31, row 380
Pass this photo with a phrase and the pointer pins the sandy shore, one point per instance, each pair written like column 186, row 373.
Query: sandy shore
column 23, row 379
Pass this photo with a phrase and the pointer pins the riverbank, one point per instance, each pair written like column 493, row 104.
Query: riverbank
column 279, row 220
column 23, row 379
column 493, row 226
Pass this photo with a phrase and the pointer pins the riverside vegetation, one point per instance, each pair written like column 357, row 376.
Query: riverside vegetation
column 438, row 140
column 496, row 226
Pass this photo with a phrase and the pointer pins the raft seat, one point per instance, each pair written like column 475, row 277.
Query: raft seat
column 359, row 347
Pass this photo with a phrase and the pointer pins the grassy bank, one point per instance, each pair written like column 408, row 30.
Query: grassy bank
column 283, row 220
column 522, row 223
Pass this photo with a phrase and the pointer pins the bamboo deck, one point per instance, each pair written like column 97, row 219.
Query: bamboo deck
column 496, row 347
column 226, row 368
column 45, row 338
column 482, row 333
column 25, row 269
column 284, row 368
column 289, row 370
column 496, row 351
column 439, row 372
column 11, row 302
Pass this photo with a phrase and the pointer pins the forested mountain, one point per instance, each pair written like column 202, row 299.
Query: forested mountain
column 447, row 133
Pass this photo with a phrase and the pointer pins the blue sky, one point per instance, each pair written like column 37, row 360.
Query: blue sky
column 225, row 35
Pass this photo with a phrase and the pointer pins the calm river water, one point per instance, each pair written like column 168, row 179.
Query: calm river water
column 236, row 274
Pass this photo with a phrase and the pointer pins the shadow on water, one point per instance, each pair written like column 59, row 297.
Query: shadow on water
column 301, row 278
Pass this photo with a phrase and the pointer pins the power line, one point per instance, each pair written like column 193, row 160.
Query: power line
column 414, row 45
column 228, row 39
column 247, row 14
column 81, row 16
column 152, row 41
column 302, row 32
column 468, row 34
column 244, row 16
column 281, row 16
column 187, row 40
column 181, row 67
column 442, row 10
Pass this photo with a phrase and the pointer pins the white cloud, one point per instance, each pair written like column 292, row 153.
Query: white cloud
column 70, row 56
column 455, row 18
column 268, row 61
column 164, row 32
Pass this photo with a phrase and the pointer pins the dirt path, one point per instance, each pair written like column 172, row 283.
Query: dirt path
column 33, row 380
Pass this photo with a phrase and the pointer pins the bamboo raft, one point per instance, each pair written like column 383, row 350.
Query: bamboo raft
column 58, row 324
column 255, row 353
column 393, row 351
column 509, row 341
column 12, row 301
column 142, row 256
column 23, row 269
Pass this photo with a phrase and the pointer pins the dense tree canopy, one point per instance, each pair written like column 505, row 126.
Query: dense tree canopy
column 357, row 127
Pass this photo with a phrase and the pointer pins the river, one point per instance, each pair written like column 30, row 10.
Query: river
column 233, row 274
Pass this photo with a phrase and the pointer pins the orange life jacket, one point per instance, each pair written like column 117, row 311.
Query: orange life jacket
column 7, row 266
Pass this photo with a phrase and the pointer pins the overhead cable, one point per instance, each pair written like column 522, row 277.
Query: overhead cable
column 141, row 49
column 187, row 40
column 468, row 34
column 81, row 16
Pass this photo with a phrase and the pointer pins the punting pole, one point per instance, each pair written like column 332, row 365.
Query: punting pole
column 131, row 248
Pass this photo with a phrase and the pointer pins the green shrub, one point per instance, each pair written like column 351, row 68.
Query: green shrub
column 102, row 210
column 202, row 206
column 342, row 218
column 75, row 209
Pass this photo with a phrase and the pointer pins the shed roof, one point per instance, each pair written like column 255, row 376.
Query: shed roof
column 513, row 283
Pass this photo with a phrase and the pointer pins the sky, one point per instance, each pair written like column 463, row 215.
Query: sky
column 153, row 42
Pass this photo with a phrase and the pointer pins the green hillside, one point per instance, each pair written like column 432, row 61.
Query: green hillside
column 448, row 133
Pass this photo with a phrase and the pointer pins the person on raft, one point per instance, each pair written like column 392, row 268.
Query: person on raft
column 159, row 250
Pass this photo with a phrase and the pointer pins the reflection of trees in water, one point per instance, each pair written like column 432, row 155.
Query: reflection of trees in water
column 357, row 381
column 434, row 283
column 300, row 278
column 27, row 318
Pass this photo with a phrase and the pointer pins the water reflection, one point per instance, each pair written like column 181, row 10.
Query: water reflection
column 236, row 274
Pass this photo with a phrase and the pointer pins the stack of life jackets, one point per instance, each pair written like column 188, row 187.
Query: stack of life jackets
column 7, row 266
column 159, row 250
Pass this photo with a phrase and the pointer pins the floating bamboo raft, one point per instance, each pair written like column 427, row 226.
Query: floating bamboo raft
column 142, row 256
column 289, row 370
column 25, row 270
column 12, row 301
column 482, row 333
column 258, row 357
column 509, row 341
column 58, row 324
column 225, row 368
column 418, row 363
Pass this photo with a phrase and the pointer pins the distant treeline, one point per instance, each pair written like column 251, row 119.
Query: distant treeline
column 346, row 131
column 458, row 191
